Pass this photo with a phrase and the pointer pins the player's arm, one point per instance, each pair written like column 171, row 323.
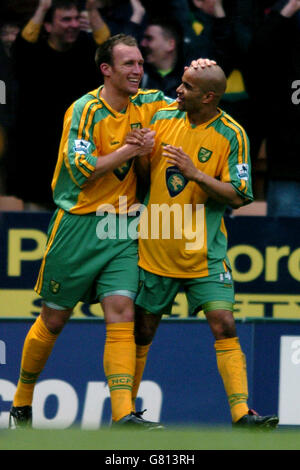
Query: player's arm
column 113, row 160
column 222, row 192
column 138, row 143
column 218, row 190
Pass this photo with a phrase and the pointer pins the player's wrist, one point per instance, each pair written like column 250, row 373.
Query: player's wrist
column 129, row 150
column 198, row 177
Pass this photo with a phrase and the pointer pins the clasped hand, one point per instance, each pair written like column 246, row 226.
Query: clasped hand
column 143, row 139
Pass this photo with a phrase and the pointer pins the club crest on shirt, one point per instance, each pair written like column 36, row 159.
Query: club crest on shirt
column 175, row 181
column 122, row 171
column 81, row 146
column 204, row 155
column 136, row 125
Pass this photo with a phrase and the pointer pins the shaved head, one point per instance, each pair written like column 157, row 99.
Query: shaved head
column 208, row 79
column 200, row 91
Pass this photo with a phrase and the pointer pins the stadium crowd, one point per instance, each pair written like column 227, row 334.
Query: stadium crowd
column 47, row 61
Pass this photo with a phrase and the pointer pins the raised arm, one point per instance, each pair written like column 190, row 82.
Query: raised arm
column 98, row 26
column 32, row 29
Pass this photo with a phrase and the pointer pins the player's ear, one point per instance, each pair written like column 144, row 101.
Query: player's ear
column 105, row 69
column 209, row 97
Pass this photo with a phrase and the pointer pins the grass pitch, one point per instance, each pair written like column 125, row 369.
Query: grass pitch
column 170, row 439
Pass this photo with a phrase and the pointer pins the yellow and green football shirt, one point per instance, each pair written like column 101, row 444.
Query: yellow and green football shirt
column 93, row 129
column 182, row 231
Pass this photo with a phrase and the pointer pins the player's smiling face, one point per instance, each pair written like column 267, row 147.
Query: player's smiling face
column 127, row 69
column 189, row 93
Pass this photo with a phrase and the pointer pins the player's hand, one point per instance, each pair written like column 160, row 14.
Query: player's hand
column 201, row 63
column 176, row 156
column 135, row 137
column 143, row 138
column 148, row 145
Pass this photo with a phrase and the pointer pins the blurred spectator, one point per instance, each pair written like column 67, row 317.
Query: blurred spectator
column 54, row 63
column 202, row 20
column 274, row 82
column 8, row 33
column 222, row 30
column 123, row 16
column 209, row 31
column 164, row 60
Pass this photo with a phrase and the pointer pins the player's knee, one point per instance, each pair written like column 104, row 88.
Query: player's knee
column 118, row 309
column 225, row 330
column 55, row 320
column 224, row 326
column 145, row 326
column 144, row 334
column 143, row 340
column 54, row 326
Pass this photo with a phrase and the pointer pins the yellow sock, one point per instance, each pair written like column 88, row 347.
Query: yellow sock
column 232, row 367
column 141, row 358
column 119, row 366
column 36, row 350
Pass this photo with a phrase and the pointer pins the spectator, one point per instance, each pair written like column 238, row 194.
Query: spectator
column 54, row 65
column 222, row 30
column 8, row 33
column 123, row 16
column 202, row 21
column 274, row 86
column 162, row 50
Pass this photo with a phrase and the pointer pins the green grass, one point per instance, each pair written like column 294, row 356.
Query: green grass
column 170, row 439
